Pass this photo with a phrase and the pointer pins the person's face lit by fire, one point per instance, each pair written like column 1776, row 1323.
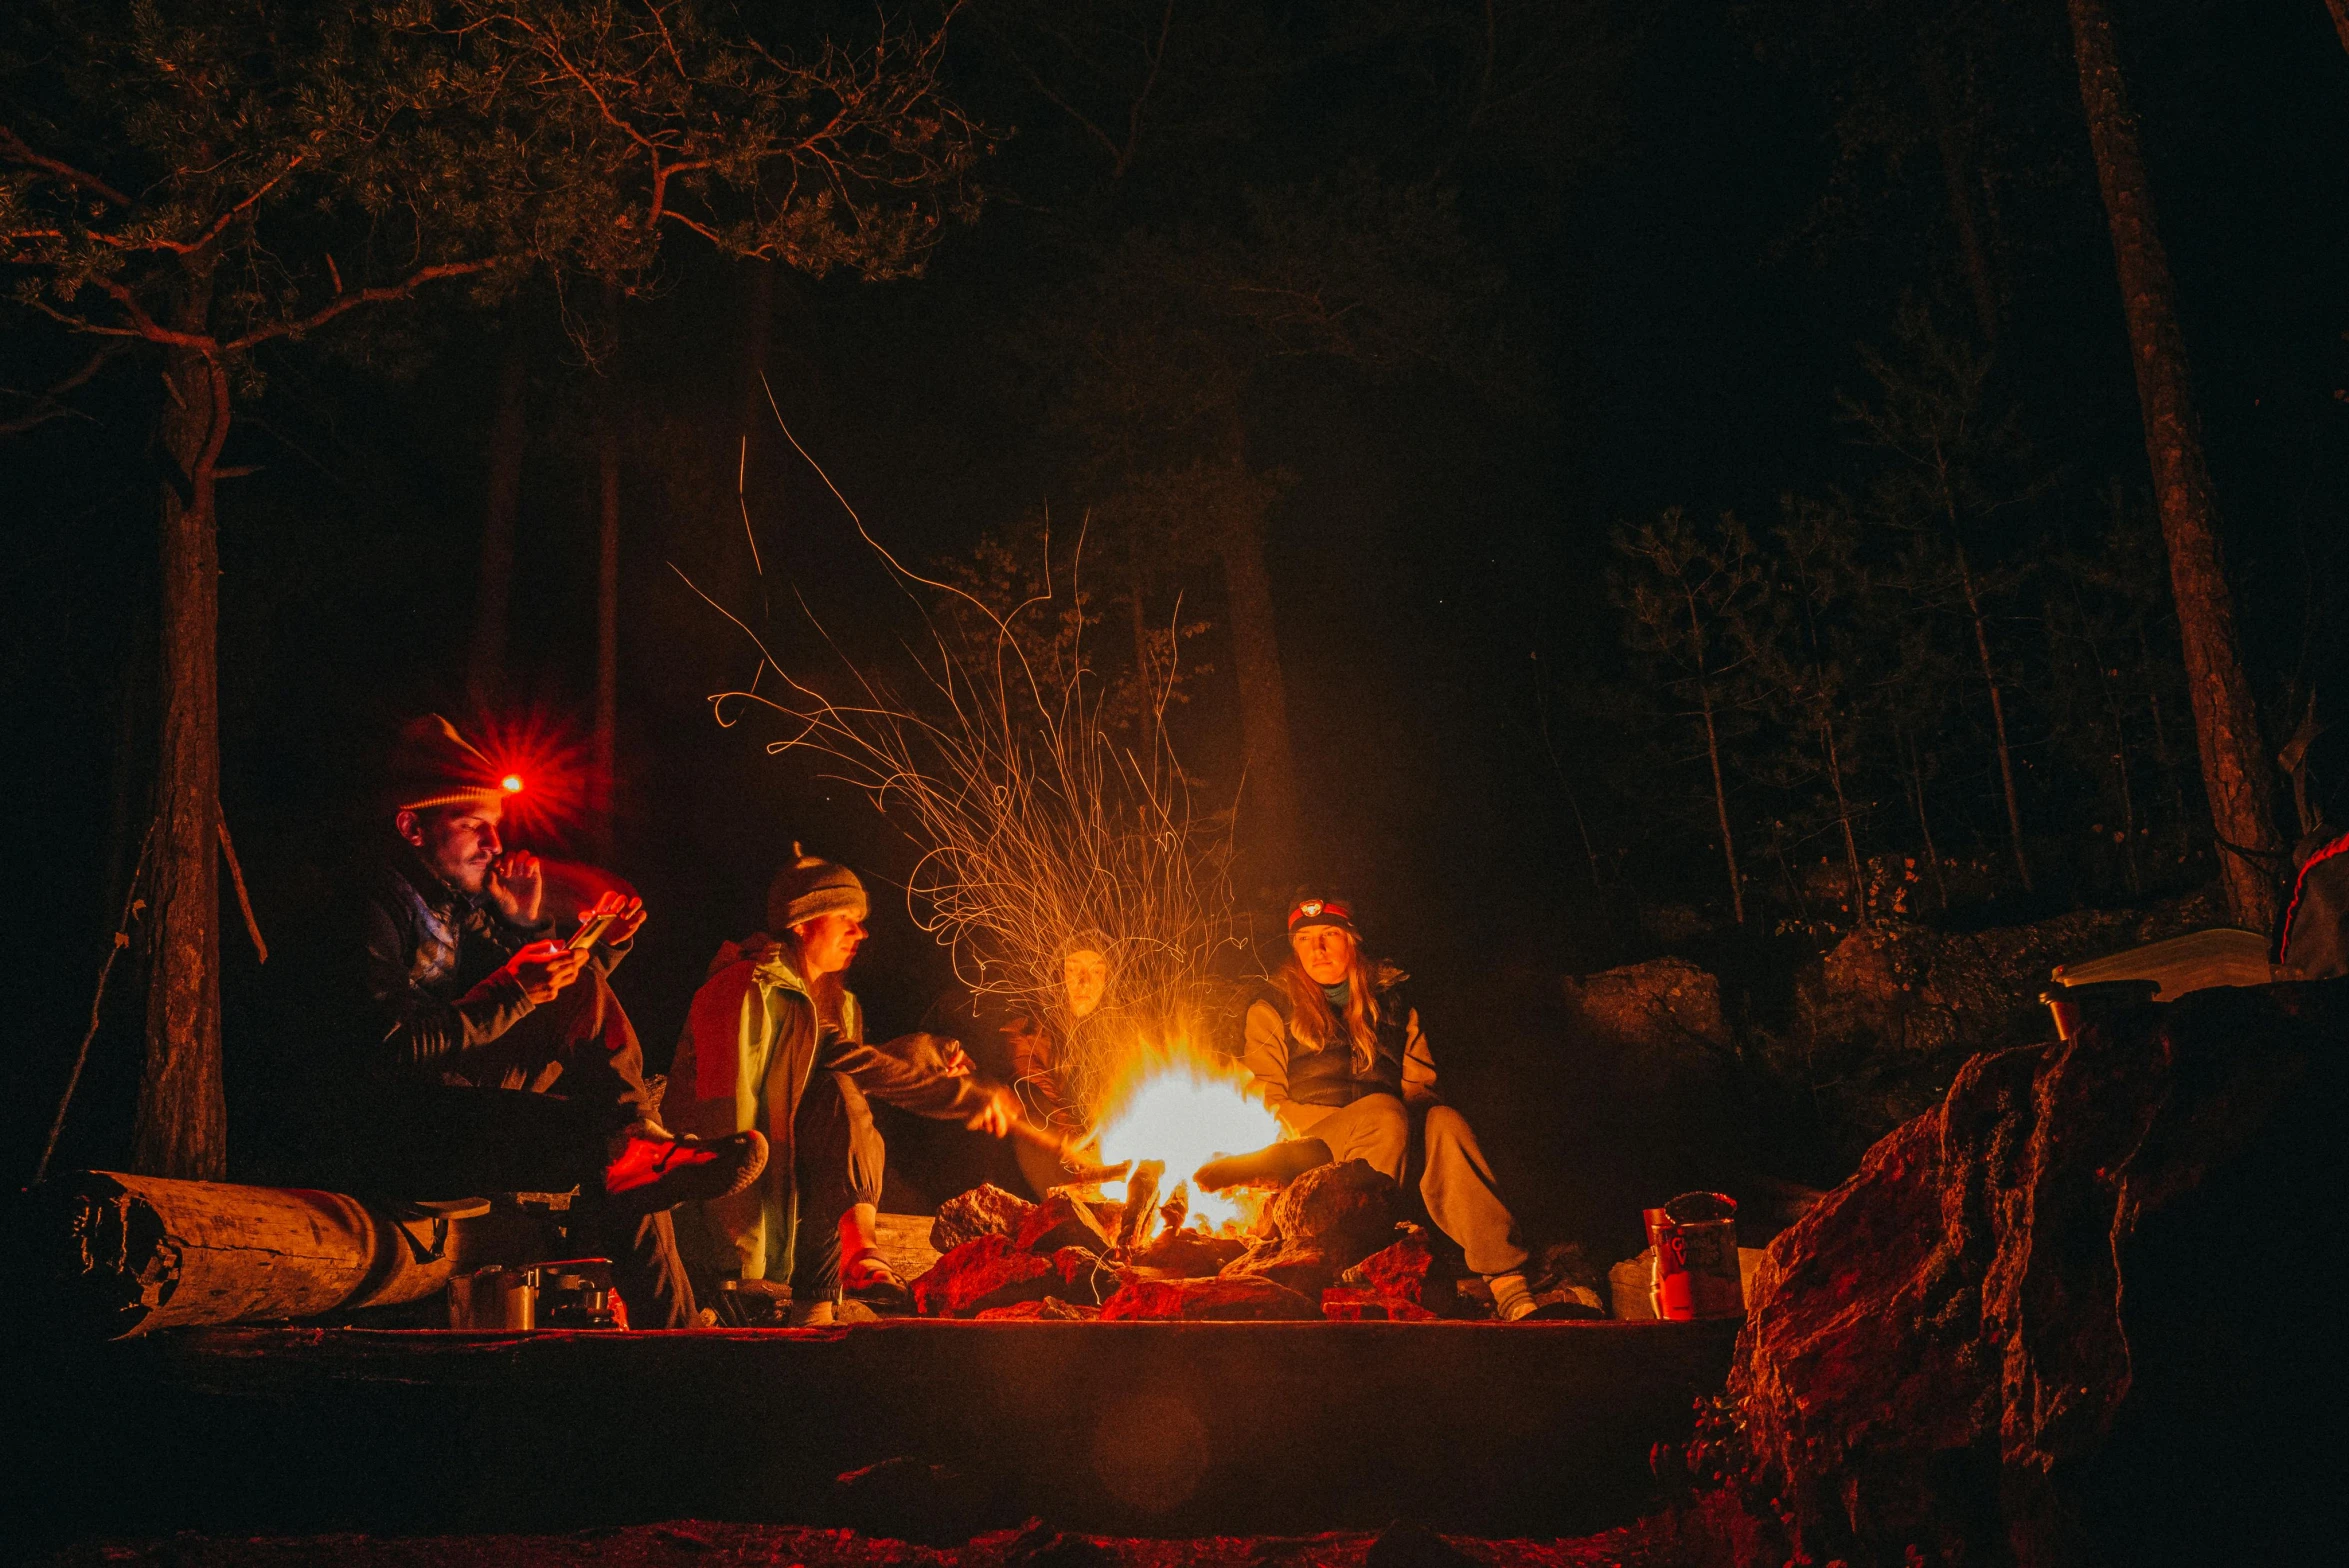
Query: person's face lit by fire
column 828, row 943
column 1326, row 952
column 458, row 844
column 1085, row 976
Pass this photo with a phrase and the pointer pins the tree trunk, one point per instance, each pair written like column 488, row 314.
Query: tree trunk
column 1924, row 824
column 607, row 633
column 1264, row 701
column 1851, row 847
column 2226, row 726
column 751, row 415
column 1955, row 182
column 110, row 1256
column 2340, row 10
column 1721, row 803
column 485, row 673
column 181, row 1126
column 2006, row 762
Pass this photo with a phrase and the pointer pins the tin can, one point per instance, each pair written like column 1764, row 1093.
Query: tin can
column 494, row 1298
column 1693, row 1239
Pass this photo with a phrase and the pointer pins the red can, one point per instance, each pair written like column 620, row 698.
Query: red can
column 1695, row 1275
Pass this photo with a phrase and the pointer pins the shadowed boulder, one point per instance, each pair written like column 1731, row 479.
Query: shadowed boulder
column 1940, row 1353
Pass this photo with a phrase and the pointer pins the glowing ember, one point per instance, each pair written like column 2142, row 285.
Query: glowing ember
column 1186, row 1111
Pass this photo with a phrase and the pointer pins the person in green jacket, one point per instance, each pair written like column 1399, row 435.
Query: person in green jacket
column 774, row 1042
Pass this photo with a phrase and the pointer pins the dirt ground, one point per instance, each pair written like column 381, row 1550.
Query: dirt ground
column 693, row 1543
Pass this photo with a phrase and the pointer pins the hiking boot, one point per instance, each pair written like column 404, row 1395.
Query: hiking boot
column 652, row 1169
column 1272, row 1166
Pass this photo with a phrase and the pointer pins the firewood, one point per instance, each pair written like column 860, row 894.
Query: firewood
column 106, row 1255
column 1133, row 1227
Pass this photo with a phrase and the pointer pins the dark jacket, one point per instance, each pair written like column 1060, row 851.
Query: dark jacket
column 1296, row 1079
column 431, row 963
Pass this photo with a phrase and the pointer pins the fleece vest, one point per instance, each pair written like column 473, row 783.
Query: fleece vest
column 1330, row 1076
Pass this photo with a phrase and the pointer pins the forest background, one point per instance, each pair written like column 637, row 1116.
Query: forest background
column 1504, row 337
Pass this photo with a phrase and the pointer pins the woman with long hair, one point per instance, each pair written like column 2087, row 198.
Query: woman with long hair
column 1338, row 1053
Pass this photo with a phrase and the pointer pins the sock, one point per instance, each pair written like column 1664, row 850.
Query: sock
column 1511, row 1300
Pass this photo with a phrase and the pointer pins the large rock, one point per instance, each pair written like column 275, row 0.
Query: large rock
column 1321, row 1225
column 1061, row 1220
column 987, row 1272
column 1936, row 1356
column 1196, row 1300
column 1662, row 1016
column 1345, row 1211
column 1894, row 1009
column 985, row 1210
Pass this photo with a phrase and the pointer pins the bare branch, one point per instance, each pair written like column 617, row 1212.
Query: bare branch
column 45, row 403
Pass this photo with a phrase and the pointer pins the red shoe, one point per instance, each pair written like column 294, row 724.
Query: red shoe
column 650, row 1174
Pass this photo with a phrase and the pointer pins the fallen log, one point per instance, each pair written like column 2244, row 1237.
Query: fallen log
column 103, row 1255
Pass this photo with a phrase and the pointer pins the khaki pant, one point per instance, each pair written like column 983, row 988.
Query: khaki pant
column 1457, row 1184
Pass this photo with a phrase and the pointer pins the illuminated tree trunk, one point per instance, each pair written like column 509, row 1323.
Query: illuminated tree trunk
column 2340, row 10
column 2226, row 727
column 181, row 1125
column 508, row 435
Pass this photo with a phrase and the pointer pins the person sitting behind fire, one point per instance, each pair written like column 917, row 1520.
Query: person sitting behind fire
column 775, row 1041
column 1030, row 1044
column 500, row 1059
column 1338, row 1053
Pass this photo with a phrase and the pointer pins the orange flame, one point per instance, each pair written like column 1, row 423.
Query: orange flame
column 1185, row 1107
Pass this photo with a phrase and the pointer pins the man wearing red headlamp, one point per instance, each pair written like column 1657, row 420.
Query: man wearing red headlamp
column 500, row 1059
column 1338, row 1053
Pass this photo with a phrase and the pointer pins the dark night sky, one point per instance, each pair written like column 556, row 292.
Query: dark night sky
column 1689, row 333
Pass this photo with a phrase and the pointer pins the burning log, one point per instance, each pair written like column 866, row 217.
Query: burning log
column 1061, row 1220
column 1133, row 1226
column 1176, row 1208
column 107, row 1256
column 1187, row 1255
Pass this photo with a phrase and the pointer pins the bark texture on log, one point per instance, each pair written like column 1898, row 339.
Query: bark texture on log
column 1936, row 1354
column 181, row 1127
column 100, row 1255
column 2226, row 724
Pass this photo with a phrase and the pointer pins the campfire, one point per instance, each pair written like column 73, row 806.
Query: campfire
column 1181, row 1108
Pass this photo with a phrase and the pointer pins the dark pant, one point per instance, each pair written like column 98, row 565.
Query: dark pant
column 456, row 1140
column 838, row 1163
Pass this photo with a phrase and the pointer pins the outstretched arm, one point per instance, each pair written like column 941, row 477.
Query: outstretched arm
column 1419, row 1074
column 1266, row 1055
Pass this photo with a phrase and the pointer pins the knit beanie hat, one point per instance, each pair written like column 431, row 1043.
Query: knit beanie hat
column 433, row 765
column 810, row 886
column 1318, row 906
